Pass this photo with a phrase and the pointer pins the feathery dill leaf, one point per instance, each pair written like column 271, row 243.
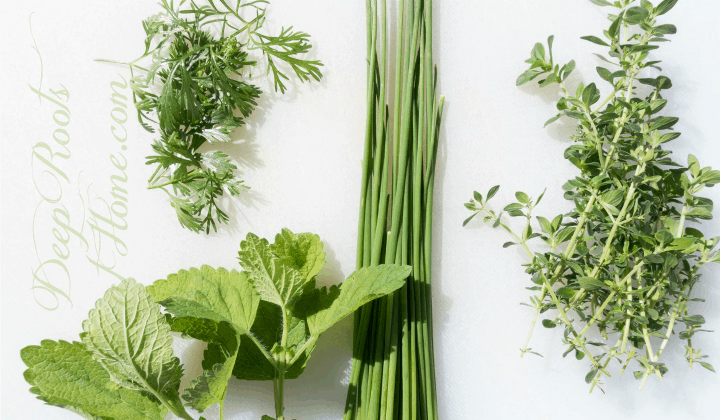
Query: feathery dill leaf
column 196, row 90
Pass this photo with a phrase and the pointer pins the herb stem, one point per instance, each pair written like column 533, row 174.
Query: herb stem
column 532, row 325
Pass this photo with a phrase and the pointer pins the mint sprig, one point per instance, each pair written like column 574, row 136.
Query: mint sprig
column 260, row 324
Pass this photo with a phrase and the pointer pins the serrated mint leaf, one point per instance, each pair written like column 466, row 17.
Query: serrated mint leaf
column 210, row 387
column 325, row 307
column 303, row 251
column 252, row 364
column 207, row 293
column 65, row 375
column 223, row 342
column 130, row 337
column 275, row 279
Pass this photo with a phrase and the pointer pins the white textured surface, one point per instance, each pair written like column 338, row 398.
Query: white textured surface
column 304, row 152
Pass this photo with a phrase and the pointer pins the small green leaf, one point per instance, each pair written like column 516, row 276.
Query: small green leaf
column 666, row 29
column 710, row 178
column 701, row 213
column 665, row 7
column 664, row 82
column 552, row 120
column 663, row 123
column 601, row 2
column 604, row 73
column 589, row 283
column 528, row 75
column 470, row 218
column 664, row 236
column 567, row 69
column 477, row 196
column 522, row 197
column 654, row 258
column 614, row 28
column 636, row 15
column 653, row 313
column 590, row 95
column 545, row 225
column 681, row 244
column 686, row 335
column 566, row 292
column 538, row 52
column 548, row 323
column 613, row 197
column 540, row 197
column 492, row 192
column 590, row 376
column 693, row 320
column 707, row 366
column 595, row 40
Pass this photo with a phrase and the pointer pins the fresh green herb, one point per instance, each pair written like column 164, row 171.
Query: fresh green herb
column 393, row 374
column 196, row 80
column 65, row 375
column 623, row 260
column 125, row 368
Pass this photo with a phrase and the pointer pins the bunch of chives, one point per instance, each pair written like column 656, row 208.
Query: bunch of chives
column 393, row 374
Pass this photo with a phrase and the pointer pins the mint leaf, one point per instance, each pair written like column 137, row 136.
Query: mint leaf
column 210, row 387
column 207, row 293
column 223, row 341
column 252, row 364
column 131, row 339
column 325, row 307
column 213, row 306
column 275, row 278
column 303, row 251
column 65, row 375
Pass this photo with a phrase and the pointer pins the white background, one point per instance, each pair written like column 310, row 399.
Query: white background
column 303, row 152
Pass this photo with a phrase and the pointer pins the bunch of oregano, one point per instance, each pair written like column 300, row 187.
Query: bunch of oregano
column 196, row 90
column 260, row 324
column 624, row 261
